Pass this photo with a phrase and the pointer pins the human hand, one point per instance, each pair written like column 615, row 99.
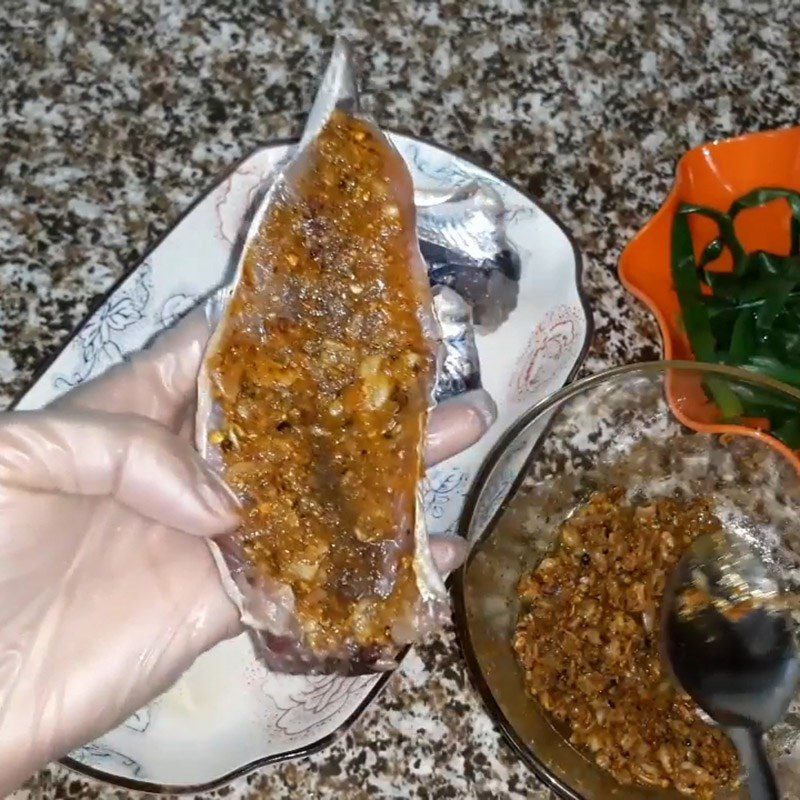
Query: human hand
column 108, row 591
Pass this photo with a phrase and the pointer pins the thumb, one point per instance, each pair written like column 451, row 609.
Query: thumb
column 132, row 459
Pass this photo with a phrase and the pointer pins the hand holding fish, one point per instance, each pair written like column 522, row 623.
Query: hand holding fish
column 108, row 590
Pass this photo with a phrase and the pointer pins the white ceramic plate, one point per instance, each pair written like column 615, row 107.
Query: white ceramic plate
column 228, row 715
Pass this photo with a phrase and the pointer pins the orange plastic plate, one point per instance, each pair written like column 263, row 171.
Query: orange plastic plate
column 714, row 175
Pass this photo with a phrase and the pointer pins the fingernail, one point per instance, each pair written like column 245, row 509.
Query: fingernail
column 481, row 403
column 219, row 496
column 448, row 552
column 459, row 422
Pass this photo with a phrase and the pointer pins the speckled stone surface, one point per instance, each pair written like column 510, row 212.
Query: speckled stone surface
column 115, row 115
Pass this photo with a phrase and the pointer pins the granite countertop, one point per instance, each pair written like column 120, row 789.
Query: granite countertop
column 116, row 115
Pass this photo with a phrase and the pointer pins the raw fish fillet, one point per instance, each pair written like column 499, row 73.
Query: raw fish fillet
column 313, row 402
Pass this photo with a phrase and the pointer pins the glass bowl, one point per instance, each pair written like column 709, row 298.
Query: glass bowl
column 618, row 429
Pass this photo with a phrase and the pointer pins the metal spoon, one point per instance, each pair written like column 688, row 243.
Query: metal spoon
column 730, row 644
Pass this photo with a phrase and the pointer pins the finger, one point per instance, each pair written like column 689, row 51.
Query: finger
column 448, row 552
column 135, row 460
column 458, row 423
column 156, row 382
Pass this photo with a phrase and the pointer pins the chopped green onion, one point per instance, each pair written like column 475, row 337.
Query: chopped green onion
column 751, row 318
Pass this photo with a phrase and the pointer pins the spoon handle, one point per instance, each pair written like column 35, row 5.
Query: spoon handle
column 761, row 783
